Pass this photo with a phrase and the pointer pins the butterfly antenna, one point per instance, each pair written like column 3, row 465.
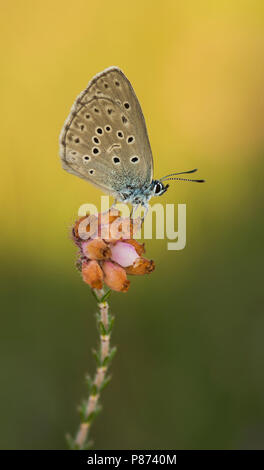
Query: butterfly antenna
column 181, row 173
column 186, row 179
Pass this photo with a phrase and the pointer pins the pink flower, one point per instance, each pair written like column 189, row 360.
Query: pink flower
column 124, row 254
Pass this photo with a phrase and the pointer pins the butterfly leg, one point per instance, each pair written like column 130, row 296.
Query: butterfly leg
column 133, row 210
column 146, row 208
column 113, row 205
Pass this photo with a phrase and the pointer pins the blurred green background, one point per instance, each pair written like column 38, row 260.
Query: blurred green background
column 189, row 369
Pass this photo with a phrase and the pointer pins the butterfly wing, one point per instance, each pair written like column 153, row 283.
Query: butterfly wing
column 104, row 139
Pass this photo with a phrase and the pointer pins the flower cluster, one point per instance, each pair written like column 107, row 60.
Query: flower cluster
column 108, row 251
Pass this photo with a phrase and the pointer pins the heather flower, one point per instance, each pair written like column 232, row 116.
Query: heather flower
column 108, row 251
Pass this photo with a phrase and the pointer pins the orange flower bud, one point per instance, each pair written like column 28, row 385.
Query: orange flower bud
column 92, row 274
column 109, row 216
column 115, row 277
column 124, row 228
column 86, row 225
column 141, row 266
column 96, row 249
column 76, row 226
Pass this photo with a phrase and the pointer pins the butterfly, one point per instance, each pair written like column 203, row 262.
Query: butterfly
column 105, row 141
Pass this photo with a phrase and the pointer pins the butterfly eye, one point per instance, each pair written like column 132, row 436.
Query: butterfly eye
column 158, row 188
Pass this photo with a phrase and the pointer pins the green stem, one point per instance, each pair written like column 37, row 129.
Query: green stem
column 90, row 407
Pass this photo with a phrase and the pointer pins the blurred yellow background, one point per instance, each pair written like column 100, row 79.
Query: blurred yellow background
column 189, row 368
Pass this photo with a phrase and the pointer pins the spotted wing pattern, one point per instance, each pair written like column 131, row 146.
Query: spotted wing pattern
column 104, row 139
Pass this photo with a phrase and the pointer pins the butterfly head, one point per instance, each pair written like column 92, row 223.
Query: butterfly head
column 159, row 188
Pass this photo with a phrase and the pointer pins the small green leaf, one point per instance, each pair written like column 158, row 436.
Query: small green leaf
column 106, row 295
column 111, row 324
column 82, row 410
column 105, row 382
column 71, row 442
column 94, row 413
column 97, row 357
column 95, row 295
column 90, row 417
column 109, row 358
column 102, row 328
column 89, row 382
column 112, row 353
column 98, row 410
column 88, row 445
column 94, row 389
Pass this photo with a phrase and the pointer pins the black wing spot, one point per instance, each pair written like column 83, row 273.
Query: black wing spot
column 126, row 105
column 116, row 160
column 124, row 119
column 91, row 172
column 109, row 111
column 77, row 140
column 96, row 140
column 99, row 130
column 96, row 151
column 117, row 83
column 130, row 139
column 120, row 134
column 108, row 128
column 134, row 159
